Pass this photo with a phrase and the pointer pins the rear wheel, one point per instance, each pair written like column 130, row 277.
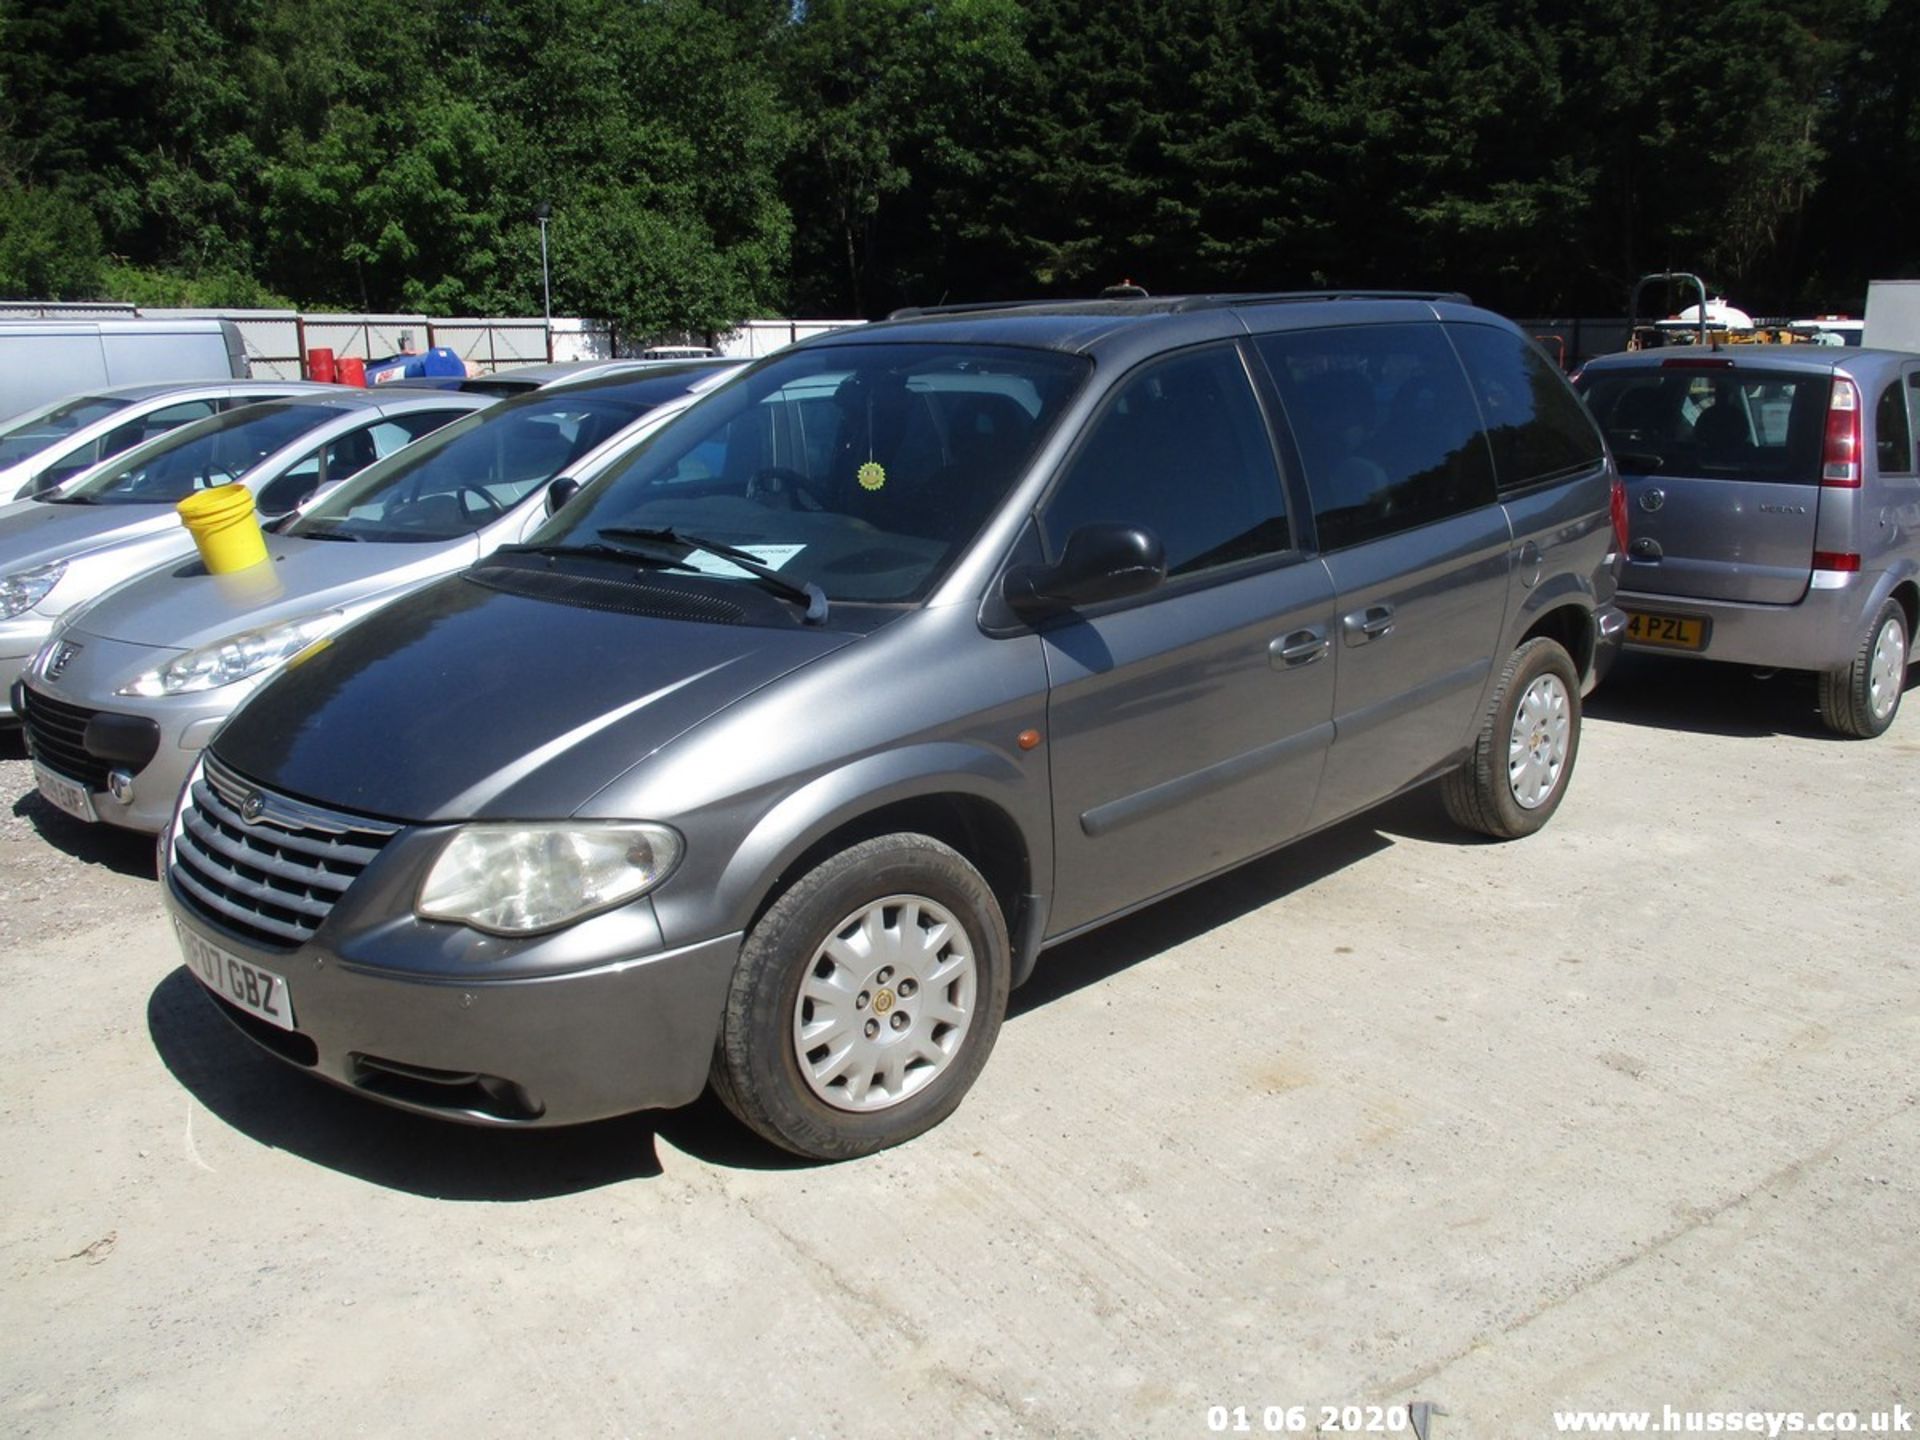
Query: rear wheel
column 1523, row 756
column 1861, row 698
column 865, row 1001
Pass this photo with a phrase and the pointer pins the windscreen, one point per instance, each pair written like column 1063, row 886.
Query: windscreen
column 35, row 431
column 863, row 469
column 457, row 480
column 214, row 451
column 1721, row 424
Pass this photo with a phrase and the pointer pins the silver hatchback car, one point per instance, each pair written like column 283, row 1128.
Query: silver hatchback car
column 118, row 519
column 120, row 702
column 1774, row 511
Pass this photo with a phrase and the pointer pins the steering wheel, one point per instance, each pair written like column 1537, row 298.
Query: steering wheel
column 494, row 508
column 781, row 487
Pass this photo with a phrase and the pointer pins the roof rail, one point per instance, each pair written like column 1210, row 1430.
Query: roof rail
column 914, row 312
column 1178, row 303
column 1292, row 297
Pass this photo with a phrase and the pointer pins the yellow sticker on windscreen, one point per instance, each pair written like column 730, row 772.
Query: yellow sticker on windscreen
column 871, row 475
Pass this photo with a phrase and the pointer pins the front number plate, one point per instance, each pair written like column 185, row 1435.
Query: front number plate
column 1666, row 632
column 256, row 991
column 69, row 796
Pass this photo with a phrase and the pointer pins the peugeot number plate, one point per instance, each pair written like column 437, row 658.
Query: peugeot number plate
column 258, row 992
column 66, row 794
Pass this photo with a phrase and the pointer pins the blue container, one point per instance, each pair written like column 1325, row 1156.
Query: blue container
column 437, row 363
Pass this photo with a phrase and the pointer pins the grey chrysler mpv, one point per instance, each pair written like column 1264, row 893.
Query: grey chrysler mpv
column 778, row 756
column 1774, row 498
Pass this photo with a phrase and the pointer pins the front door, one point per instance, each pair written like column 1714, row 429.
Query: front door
column 1188, row 726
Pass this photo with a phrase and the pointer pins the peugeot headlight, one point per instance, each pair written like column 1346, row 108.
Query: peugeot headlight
column 24, row 589
column 521, row 879
column 236, row 657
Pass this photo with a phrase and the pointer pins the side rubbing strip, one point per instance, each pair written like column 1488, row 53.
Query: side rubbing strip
column 1104, row 819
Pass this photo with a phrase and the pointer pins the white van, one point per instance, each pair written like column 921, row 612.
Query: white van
column 42, row 360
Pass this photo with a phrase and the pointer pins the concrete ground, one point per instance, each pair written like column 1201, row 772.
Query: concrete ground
column 1624, row 1115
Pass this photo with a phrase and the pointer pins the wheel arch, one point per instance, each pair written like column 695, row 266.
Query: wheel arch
column 1571, row 625
column 966, row 797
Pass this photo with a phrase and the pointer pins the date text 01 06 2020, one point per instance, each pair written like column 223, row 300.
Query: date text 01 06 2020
column 1413, row 1420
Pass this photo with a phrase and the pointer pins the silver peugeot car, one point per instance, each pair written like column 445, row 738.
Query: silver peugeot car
column 51, row 445
column 121, row 700
column 779, row 755
column 1774, row 503
column 118, row 519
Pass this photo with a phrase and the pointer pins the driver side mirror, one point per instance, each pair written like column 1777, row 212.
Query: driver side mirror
column 1098, row 563
column 560, row 492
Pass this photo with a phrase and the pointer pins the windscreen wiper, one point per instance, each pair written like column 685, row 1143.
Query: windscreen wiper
column 808, row 594
column 316, row 533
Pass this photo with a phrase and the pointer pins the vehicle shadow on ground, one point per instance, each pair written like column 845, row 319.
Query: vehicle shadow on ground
column 1705, row 698
column 125, row 852
column 1103, row 953
column 275, row 1105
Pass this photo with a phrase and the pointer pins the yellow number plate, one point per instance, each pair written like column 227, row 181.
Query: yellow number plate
column 1670, row 632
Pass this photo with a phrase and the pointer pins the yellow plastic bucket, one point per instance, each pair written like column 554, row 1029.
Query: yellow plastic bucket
column 225, row 528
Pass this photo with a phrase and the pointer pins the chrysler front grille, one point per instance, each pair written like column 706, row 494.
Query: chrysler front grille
column 262, row 865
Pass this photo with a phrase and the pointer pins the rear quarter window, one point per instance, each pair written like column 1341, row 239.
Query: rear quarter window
column 1718, row 424
column 1535, row 423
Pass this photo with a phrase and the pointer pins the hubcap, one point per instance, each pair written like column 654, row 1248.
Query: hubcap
column 1537, row 749
column 885, row 1004
column 1888, row 672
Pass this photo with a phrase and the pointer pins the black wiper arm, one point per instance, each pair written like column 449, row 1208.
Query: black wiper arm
column 316, row 533
column 595, row 548
column 808, row 594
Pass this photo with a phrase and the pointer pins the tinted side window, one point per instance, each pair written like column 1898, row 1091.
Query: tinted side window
column 1894, row 440
column 1182, row 450
column 1538, row 429
column 1386, row 425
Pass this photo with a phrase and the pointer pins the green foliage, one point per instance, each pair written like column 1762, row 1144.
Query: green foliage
column 165, row 289
column 49, row 246
column 706, row 159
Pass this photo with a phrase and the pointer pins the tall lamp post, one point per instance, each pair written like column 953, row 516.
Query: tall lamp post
column 542, row 212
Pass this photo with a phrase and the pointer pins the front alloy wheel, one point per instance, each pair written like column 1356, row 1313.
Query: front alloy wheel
column 865, row 1000
column 886, row 1004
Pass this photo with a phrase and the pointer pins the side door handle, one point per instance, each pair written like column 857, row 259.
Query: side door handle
column 1371, row 623
column 1297, row 648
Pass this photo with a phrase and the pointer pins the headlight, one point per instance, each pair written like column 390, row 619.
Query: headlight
column 519, row 879
column 24, row 589
column 237, row 657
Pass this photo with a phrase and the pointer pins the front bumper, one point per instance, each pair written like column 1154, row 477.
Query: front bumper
column 176, row 727
column 631, row 1032
column 179, row 733
column 1820, row 631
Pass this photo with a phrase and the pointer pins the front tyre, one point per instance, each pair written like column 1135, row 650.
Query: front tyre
column 865, row 1001
column 1523, row 756
column 1861, row 698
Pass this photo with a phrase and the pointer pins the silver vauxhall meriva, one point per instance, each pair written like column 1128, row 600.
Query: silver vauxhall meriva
column 1774, row 512
column 778, row 756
